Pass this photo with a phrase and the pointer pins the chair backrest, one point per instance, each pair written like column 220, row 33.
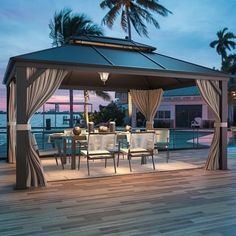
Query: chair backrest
column 198, row 120
column 142, row 140
column 162, row 135
column 123, row 137
column 101, row 141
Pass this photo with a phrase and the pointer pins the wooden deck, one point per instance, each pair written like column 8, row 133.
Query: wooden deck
column 186, row 202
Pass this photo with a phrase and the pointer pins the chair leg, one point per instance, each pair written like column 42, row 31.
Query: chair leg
column 118, row 159
column 153, row 163
column 105, row 163
column 114, row 162
column 79, row 163
column 88, row 166
column 62, row 163
column 167, row 155
column 56, row 160
column 129, row 157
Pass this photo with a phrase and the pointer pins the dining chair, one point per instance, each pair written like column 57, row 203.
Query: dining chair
column 163, row 141
column 141, row 145
column 55, row 151
column 100, row 146
column 122, row 141
column 80, row 144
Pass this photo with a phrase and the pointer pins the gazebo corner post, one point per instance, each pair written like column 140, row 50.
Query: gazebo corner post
column 223, row 130
column 8, row 128
column 71, row 98
column 21, row 135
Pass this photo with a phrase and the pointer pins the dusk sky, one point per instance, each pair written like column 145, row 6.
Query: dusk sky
column 185, row 34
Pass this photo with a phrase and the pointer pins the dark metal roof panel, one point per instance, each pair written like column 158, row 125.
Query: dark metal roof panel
column 126, row 58
column 67, row 54
column 174, row 64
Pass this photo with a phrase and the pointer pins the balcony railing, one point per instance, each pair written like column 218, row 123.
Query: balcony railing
column 179, row 138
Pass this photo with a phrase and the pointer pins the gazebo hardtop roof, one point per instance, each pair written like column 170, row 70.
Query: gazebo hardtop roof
column 130, row 64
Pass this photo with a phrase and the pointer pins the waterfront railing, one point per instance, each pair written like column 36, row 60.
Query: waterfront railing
column 179, row 138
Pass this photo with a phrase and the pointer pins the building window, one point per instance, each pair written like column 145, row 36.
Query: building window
column 163, row 115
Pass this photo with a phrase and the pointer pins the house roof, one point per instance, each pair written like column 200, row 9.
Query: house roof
column 131, row 65
column 189, row 91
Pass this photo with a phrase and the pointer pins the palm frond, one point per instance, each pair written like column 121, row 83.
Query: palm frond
column 66, row 24
column 214, row 43
column 111, row 16
column 123, row 22
column 107, row 3
column 154, row 6
column 230, row 35
column 230, row 45
column 138, row 24
column 102, row 94
column 145, row 14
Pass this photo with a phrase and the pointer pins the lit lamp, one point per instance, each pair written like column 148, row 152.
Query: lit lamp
column 103, row 76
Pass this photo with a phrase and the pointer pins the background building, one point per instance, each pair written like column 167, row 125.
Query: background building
column 178, row 108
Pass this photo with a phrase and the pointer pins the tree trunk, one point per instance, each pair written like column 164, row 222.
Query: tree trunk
column 222, row 59
column 128, row 21
column 86, row 116
column 71, row 123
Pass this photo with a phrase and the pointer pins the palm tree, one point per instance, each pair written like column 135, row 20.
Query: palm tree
column 224, row 42
column 229, row 64
column 65, row 24
column 133, row 12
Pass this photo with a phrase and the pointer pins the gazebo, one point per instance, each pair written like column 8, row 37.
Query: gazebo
column 32, row 78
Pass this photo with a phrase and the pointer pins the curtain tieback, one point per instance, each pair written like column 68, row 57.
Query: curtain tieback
column 11, row 123
column 221, row 124
column 23, row 126
column 149, row 122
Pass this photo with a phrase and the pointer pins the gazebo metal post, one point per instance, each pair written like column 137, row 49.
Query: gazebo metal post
column 71, row 122
column 8, row 127
column 21, row 147
column 223, row 129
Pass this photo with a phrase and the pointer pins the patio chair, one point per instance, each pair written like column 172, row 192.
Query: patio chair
column 163, row 140
column 100, row 146
column 141, row 145
column 122, row 142
column 55, row 151
column 80, row 145
column 196, row 123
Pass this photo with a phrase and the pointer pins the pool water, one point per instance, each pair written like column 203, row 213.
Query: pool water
column 181, row 138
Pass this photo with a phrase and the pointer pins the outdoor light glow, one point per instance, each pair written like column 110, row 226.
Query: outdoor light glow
column 233, row 93
column 103, row 76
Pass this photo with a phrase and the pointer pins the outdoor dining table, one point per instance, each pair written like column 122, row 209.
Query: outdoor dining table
column 72, row 139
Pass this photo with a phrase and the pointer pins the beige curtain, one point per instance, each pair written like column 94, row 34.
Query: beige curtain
column 12, row 123
column 39, row 91
column 212, row 98
column 147, row 102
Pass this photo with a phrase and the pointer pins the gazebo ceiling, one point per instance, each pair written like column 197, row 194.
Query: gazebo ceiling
column 130, row 64
column 85, row 79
